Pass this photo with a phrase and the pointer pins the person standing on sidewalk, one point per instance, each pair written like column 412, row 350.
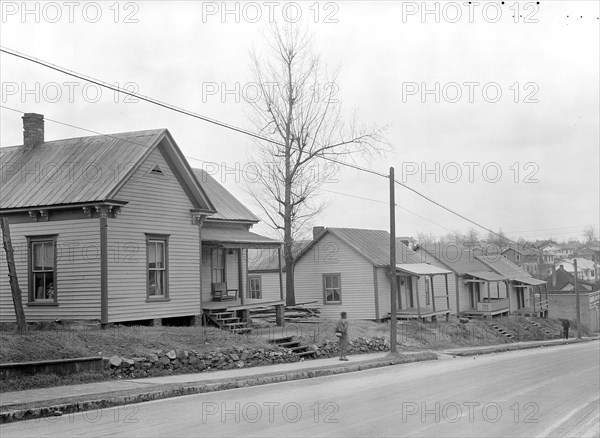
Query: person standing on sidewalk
column 341, row 331
column 566, row 324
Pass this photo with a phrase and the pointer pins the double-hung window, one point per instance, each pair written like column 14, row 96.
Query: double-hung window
column 42, row 269
column 158, row 266
column 332, row 289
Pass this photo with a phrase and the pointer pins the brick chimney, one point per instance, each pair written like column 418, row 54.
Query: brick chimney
column 317, row 231
column 554, row 276
column 33, row 130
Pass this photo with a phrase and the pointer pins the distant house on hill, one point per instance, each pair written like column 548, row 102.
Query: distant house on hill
column 523, row 256
column 586, row 269
column 115, row 228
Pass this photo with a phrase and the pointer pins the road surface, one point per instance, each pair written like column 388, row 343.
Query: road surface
column 550, row 391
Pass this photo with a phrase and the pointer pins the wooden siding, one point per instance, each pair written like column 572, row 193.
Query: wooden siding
column 157, row 205
column 383, row 288
column 332, row 256
column 77, row 270
column 270, row 286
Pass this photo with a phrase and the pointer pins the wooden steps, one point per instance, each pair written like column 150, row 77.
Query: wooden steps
column 541, row 328
column 502, row 330
column 295, row 346
column 227, row 320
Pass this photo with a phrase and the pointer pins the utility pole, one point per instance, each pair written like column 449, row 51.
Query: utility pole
column 577, row 300
column 393, row 286
column 12, row 275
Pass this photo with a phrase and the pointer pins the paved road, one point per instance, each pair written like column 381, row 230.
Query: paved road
column 543, row 392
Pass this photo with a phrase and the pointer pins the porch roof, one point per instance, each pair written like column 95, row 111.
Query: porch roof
column 487, row 275
column 421, row 269
column 531, row 281
column 231, row 238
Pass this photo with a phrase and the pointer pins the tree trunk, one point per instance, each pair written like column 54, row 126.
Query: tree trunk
column 12, row 275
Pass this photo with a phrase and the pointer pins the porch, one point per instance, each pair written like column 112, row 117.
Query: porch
column 228, row 292
column 537, row 302
column 435, row 305
column 423, row 314
column 482, row 303
column 490, row 307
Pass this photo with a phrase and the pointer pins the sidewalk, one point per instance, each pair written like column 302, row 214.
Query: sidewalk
column 43, row 402
column 487, row 349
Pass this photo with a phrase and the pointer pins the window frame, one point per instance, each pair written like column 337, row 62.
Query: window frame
column 324, row 279
column 212, row 264
column 164, row 239
column 427, row 290
column 31, row 300
column 260, row 290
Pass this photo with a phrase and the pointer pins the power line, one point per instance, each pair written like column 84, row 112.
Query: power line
column 228, row 126
column 171, row 107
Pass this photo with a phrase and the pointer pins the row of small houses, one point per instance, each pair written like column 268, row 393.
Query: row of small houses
column 116, row 228
column 346, row 269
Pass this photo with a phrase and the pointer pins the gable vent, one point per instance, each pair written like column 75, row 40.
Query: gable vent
column 156, row 171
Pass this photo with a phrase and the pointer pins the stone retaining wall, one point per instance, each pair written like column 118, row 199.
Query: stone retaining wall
column 165, row 362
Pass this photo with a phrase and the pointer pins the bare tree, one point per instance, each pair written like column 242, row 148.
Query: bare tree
column 425, row 238
column 472, row 236
column 298, row 111
column 590, row 234
column 499, row 239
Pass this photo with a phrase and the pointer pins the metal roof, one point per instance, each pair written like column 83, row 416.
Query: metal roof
column 267, row 259
column 504, row 267
column 487, row 276
column 71, row 171
column 531, row 281
column 421, row 269
column 236, row 237
column 373, row 245
column 459, row 260
column 228, row 206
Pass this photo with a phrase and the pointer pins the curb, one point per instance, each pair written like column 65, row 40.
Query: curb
column 514, row 347
column 53, row 408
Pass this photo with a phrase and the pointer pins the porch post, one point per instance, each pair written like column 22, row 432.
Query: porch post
column 507, row 294
column 447, row 297
column 104, row 265
column 457, row 294
column 280, row 273
column 241, row 278
column 498, row 289
column 432, row 292
column 418, row 301
column 488, row 291
column 532, row 297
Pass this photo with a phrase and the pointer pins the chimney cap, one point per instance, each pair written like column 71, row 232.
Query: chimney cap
column 33, row 115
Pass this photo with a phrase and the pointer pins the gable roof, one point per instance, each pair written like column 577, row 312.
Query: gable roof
column 564, row 278
column 522, row 249
column 461, row 261
column 504, row 267
column 87, row 169
column 228, row 207
column 373, row 245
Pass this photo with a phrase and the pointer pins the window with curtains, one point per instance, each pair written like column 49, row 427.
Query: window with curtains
column 332, row 289
column 42, row 269
column 254, row 287
column 158, row 266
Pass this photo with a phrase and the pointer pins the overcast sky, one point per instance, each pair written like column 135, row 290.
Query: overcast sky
column 526, row 160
